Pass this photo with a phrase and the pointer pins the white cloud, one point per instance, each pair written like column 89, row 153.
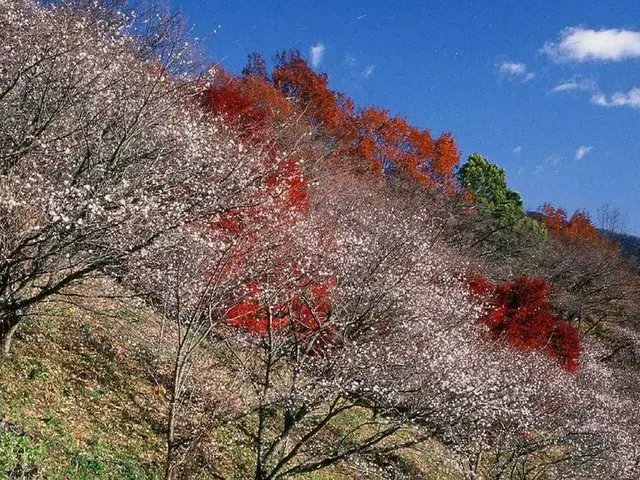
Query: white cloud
column 576, row 83
column 512, row 68
column 317, row 54
column 618, row 99
column 515, row 70
column 367, row 72
column 583, row 151
column 599, row 99
column 517, row 150
column 580, row 44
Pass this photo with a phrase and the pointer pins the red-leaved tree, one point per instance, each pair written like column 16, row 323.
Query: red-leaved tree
column 520, row 312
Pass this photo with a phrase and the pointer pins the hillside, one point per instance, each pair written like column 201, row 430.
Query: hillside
column 82, row 399
column 630, row 246
column 208, row 275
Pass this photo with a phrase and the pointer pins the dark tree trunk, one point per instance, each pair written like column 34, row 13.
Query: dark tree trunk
column 9, row 322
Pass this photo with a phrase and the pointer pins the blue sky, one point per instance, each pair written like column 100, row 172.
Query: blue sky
column 545, row 89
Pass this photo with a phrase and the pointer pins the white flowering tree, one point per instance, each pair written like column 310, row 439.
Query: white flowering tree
column 352, row 312
column 101, row 151
column 356, row 314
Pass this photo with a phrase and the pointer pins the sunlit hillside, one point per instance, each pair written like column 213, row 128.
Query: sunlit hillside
column 217, row 275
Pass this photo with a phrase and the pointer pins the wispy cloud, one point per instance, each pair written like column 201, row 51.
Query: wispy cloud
column 317, row 54
column 551, row 162
column 576, row 83
column 578, row 44
column 515, row 70
column 356, row 72
column 619, row 99
column 517, row 150
column 368, row 71
column 583, row 151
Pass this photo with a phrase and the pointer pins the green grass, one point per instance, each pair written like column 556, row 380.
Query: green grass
column 83, row 402
column 20, row 457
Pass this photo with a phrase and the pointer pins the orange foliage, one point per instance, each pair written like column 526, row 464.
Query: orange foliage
column 555, row 219
column 447, row 157
column 579, row 228
column 267, row 99
column 391, row 143
column 383, row 141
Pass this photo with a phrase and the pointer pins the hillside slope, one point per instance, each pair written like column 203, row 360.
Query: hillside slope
column 80, row 399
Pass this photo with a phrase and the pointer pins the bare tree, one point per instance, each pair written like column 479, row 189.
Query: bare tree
column 591, row 284
column 611, row 219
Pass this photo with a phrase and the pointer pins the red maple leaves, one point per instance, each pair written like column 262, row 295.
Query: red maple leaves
column 377, row 141
column 259, row 104
column 521, row 313
column 305, row 312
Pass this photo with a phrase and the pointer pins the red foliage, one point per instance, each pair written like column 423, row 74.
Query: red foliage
column 310, row 90
column 287, row 185
column 305, row 314
column 267, row 112
column 254, row 107
column 578, row 229
column 372, row 134
column 228, row 97
column 251, row 103
column 231, row 223
column 521, row 313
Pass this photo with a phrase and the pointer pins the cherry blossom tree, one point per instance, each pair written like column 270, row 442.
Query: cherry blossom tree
column 101, row 151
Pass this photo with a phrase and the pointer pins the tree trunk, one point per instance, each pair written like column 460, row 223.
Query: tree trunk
column 169, row 462
column 9, row 323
